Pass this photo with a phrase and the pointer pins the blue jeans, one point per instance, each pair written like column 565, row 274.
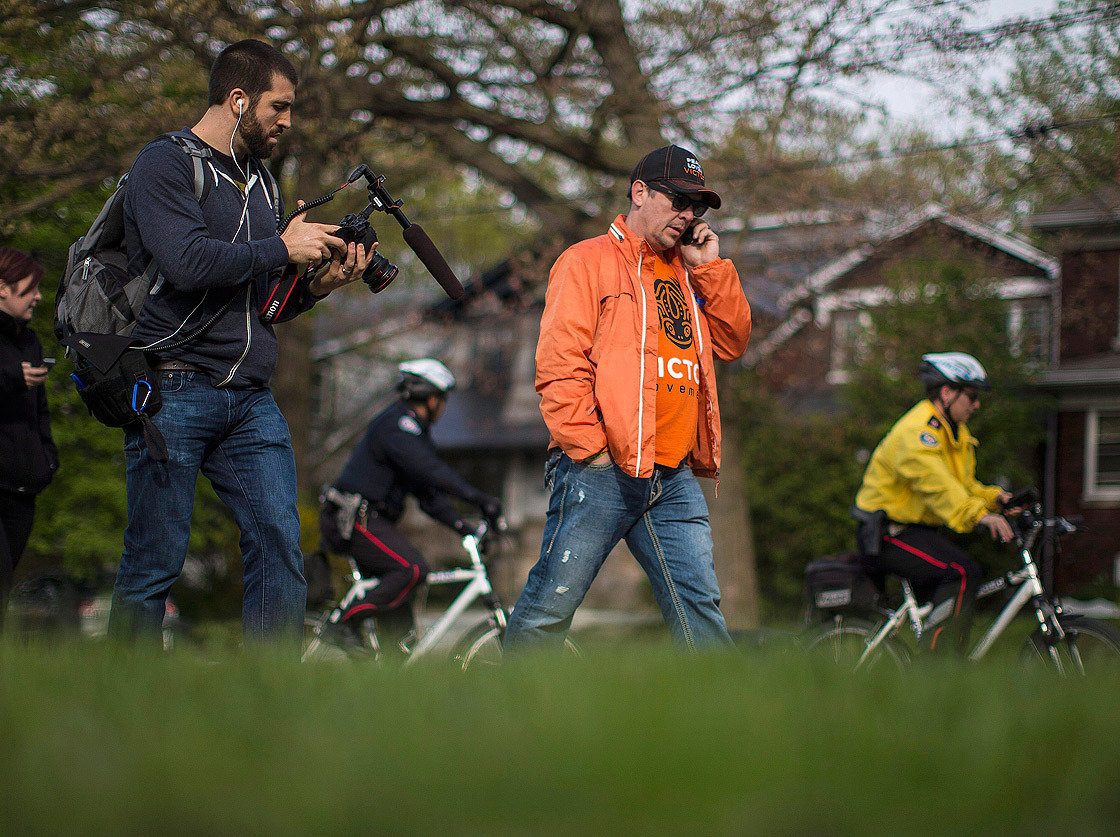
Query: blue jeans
column 240, row 441
column 664, row 521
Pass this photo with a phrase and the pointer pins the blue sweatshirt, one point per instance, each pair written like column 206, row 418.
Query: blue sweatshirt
column 206, row 253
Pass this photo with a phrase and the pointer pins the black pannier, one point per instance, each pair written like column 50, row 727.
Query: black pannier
column 841, row 583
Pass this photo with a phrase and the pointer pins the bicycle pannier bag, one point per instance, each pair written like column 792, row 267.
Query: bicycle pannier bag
column 840, row 583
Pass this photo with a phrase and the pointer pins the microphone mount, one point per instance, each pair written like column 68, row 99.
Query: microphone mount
column 379, row 198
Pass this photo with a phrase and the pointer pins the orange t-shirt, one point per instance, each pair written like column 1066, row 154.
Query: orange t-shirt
column 678, row 374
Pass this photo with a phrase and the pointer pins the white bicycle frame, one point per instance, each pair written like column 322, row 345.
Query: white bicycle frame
column 478, row 586
column 1029, row 588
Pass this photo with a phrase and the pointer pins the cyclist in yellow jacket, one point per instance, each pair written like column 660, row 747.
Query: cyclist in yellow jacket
column 922, row 477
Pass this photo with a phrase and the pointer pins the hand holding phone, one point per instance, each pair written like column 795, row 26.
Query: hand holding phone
column 699, row 243
column 34, row 376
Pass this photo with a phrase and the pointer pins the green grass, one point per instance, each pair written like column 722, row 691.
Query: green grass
column 96, row 740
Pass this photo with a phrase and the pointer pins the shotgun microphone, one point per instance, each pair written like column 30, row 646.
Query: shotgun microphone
column 431, row 258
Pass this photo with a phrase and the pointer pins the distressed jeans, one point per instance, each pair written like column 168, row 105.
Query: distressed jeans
column 664, row 521
column 240, row 441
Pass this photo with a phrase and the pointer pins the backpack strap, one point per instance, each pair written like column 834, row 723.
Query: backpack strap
column 197, row 153
column 202, row 186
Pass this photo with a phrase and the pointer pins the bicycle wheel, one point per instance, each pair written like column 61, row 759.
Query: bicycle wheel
column 482, row 646
column 1088, row 647
column 844, row 640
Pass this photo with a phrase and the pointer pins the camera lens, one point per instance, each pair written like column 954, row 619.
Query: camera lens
column 379, row 272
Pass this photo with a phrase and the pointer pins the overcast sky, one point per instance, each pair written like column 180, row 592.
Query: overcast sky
column 912, row 102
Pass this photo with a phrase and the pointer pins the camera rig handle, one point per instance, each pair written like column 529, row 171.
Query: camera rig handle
column 414, row 235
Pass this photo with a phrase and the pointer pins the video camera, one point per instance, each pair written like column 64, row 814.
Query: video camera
column 355, row 227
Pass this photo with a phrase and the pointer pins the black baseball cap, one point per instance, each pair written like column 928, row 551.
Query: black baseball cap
column 678, row 169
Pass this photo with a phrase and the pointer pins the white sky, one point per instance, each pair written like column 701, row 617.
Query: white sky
column 913, row 102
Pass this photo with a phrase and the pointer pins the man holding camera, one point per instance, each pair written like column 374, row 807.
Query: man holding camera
column 633, row 321
column 220, row 259
column 395, row 458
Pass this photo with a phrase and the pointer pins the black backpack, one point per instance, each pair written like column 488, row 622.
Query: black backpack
column 96, row 293
column 98, row 302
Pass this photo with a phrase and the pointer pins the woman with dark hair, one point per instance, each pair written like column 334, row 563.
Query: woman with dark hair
column 28, row 457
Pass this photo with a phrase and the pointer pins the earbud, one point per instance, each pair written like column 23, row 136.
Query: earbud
column 240, row 106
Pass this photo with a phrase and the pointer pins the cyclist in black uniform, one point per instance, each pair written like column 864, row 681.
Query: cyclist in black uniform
column 395, row 458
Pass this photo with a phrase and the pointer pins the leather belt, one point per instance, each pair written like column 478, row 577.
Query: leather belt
column 172, row 365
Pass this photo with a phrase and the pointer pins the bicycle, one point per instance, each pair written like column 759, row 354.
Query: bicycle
column 480, row 645
column 1069, row 642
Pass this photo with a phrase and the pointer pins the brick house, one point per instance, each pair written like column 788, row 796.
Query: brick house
column 812, row 347
column 1083, row 461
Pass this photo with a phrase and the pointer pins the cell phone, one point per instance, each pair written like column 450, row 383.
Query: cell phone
column 49, row 361
column 688, row 237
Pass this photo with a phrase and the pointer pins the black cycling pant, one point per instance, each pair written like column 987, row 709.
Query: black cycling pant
column 381, row 552
column 17, row 513
column 939, row 571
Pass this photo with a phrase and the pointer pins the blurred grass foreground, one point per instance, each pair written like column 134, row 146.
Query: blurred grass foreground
column 96, row 740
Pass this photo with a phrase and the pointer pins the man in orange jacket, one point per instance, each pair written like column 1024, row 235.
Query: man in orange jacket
column 633, row 321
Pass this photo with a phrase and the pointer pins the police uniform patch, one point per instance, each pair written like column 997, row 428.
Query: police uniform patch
column 934, row 422
column 929, row 440
column 409, row 425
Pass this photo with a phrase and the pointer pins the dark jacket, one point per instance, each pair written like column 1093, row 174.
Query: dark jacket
column 28, row 457
column 395, row 458
column 207, row 253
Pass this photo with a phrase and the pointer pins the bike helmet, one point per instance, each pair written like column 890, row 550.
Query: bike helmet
column 419, row 379
column 955, row 369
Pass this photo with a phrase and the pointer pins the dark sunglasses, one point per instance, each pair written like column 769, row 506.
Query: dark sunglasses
column 971, row 395
column 680, row 202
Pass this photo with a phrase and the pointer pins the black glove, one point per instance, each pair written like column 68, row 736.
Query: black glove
column 491, row 507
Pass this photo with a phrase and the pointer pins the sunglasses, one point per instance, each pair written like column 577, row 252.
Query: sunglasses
column 680, row 202
column 971, row 395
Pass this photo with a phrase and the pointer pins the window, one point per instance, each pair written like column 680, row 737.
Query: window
column 1102, row 455
column 1028, row 329
column 849, row 343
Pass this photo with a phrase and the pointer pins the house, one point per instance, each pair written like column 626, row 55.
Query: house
column 1083, row 448
column 812, row 346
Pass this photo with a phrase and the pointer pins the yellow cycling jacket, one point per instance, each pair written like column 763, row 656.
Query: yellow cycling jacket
column 920, row 474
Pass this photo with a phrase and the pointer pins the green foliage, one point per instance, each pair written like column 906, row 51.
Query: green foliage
column 1060, row 76
column 802, row 475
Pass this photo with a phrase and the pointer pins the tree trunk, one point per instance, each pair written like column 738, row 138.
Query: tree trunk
column 732, row 536
column 291, row 386
column 292, row 380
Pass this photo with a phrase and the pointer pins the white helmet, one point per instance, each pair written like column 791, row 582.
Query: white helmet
column 955, row 369
column 424, row 377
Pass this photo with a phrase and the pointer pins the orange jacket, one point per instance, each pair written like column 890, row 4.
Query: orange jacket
column 597, row 354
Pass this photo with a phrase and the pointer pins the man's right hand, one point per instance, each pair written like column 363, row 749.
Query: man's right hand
column 998, row 526
column 310, row 243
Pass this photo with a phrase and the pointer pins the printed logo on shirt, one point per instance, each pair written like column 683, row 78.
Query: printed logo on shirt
column 675, row 320
column 929, row 440
column 409, row 425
